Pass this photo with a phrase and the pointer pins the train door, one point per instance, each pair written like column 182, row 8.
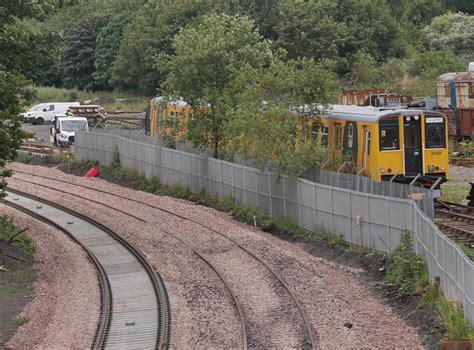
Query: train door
column 412, row 147
column 366, row 149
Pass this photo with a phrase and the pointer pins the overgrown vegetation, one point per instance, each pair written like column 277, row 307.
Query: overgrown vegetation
column 409, row 273
column 10, row 235
column 406, row 269
column 111, row 101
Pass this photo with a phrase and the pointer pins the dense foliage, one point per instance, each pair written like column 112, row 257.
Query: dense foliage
column 18, row 56
column 119, row 44
column 233, row 60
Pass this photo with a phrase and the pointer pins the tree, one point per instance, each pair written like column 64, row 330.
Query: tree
column 307, row 29
column 77, row 62
column 277, row 115
column 16, row 57
column 149, row 35
column 364, row 70
column 107, row 47
column 452, row 31
column 209, row 55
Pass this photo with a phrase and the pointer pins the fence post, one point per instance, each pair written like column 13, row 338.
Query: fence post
column 284, row 195
column 245, row 188
column 270, row 184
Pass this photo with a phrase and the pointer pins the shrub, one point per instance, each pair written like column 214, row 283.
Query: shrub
column 406, row 269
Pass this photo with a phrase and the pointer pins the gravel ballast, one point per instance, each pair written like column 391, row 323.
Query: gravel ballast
column 331, row 295
column 65, row 308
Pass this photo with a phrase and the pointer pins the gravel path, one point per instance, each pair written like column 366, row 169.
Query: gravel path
column 462, row 173
column 65, row 309
column 331, row 294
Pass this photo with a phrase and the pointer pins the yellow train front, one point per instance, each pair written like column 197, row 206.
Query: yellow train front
column 400, row 145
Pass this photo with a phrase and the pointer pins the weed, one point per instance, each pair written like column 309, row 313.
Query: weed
column 24, row 158
column 451, row 314
column 455, row 192
column 467, row 250
column 115, row 158
column 406, row 269
column 9, row 233
column 20, row 321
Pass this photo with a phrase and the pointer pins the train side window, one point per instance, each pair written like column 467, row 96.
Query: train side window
column 389, row 134
column 435, row 135
column 322, row 132
column 471, row 90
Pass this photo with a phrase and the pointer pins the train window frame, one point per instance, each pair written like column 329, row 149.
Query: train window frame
column 389, row 124
column 338, row 132
column 429, row 125
column 322, row 132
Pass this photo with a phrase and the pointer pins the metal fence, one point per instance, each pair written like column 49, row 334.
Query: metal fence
column 325, row 177
column 364, row 219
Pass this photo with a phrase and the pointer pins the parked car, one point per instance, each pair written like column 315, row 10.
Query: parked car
column 45, row 112
column 63, row 130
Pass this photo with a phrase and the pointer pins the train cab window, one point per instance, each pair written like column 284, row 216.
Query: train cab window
column 435, row 132
column 389, row 134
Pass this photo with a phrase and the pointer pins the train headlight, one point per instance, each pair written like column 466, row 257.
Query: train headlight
column 431, row 168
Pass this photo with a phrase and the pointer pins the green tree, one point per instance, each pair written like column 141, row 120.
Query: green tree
column 16, row 57
column 307, row 29
column 365, row 70
column 430, row 64
column 79, row 55
column 209, row 55
column 107, row 47
column 452, row 31
column 277, row 115
column 149, row 35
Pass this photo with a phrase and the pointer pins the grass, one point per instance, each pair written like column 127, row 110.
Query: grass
column 20, row 321
column 133, row 103
column 8, row 232
column 455, row 192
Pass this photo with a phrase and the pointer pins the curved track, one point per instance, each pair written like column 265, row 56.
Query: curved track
column 307, row 326
column 134, row 303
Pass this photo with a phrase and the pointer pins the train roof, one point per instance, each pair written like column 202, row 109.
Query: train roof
column 365, row 114
column 160, row 99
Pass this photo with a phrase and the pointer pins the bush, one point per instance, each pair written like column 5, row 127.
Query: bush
column 9, row 234
column 406, row 269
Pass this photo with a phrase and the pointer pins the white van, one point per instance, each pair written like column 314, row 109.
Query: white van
column 32, row 110
column 46, row 111
column 63, row 130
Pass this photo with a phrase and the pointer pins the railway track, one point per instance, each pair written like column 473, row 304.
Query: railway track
column 310, row 338
column 135, row 311
column 456, row 220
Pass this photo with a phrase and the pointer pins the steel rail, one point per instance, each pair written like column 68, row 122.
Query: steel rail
column 162, row 298
column 308, row 327
column 104, row 284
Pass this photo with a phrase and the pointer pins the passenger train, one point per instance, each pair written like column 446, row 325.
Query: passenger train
column 402, row 145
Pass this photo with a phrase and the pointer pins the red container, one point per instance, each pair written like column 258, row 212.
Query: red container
column 93, row 172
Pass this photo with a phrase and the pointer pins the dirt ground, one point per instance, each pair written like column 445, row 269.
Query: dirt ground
column 16, row 291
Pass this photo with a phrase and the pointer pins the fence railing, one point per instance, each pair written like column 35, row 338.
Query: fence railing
column 325, row 177
column 363, row 219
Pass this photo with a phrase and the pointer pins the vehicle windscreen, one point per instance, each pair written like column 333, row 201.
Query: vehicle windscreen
column 73, row 125
column 435, row 132
column 35, row 108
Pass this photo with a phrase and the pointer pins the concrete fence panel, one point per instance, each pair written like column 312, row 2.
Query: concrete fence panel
column 342, row 204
